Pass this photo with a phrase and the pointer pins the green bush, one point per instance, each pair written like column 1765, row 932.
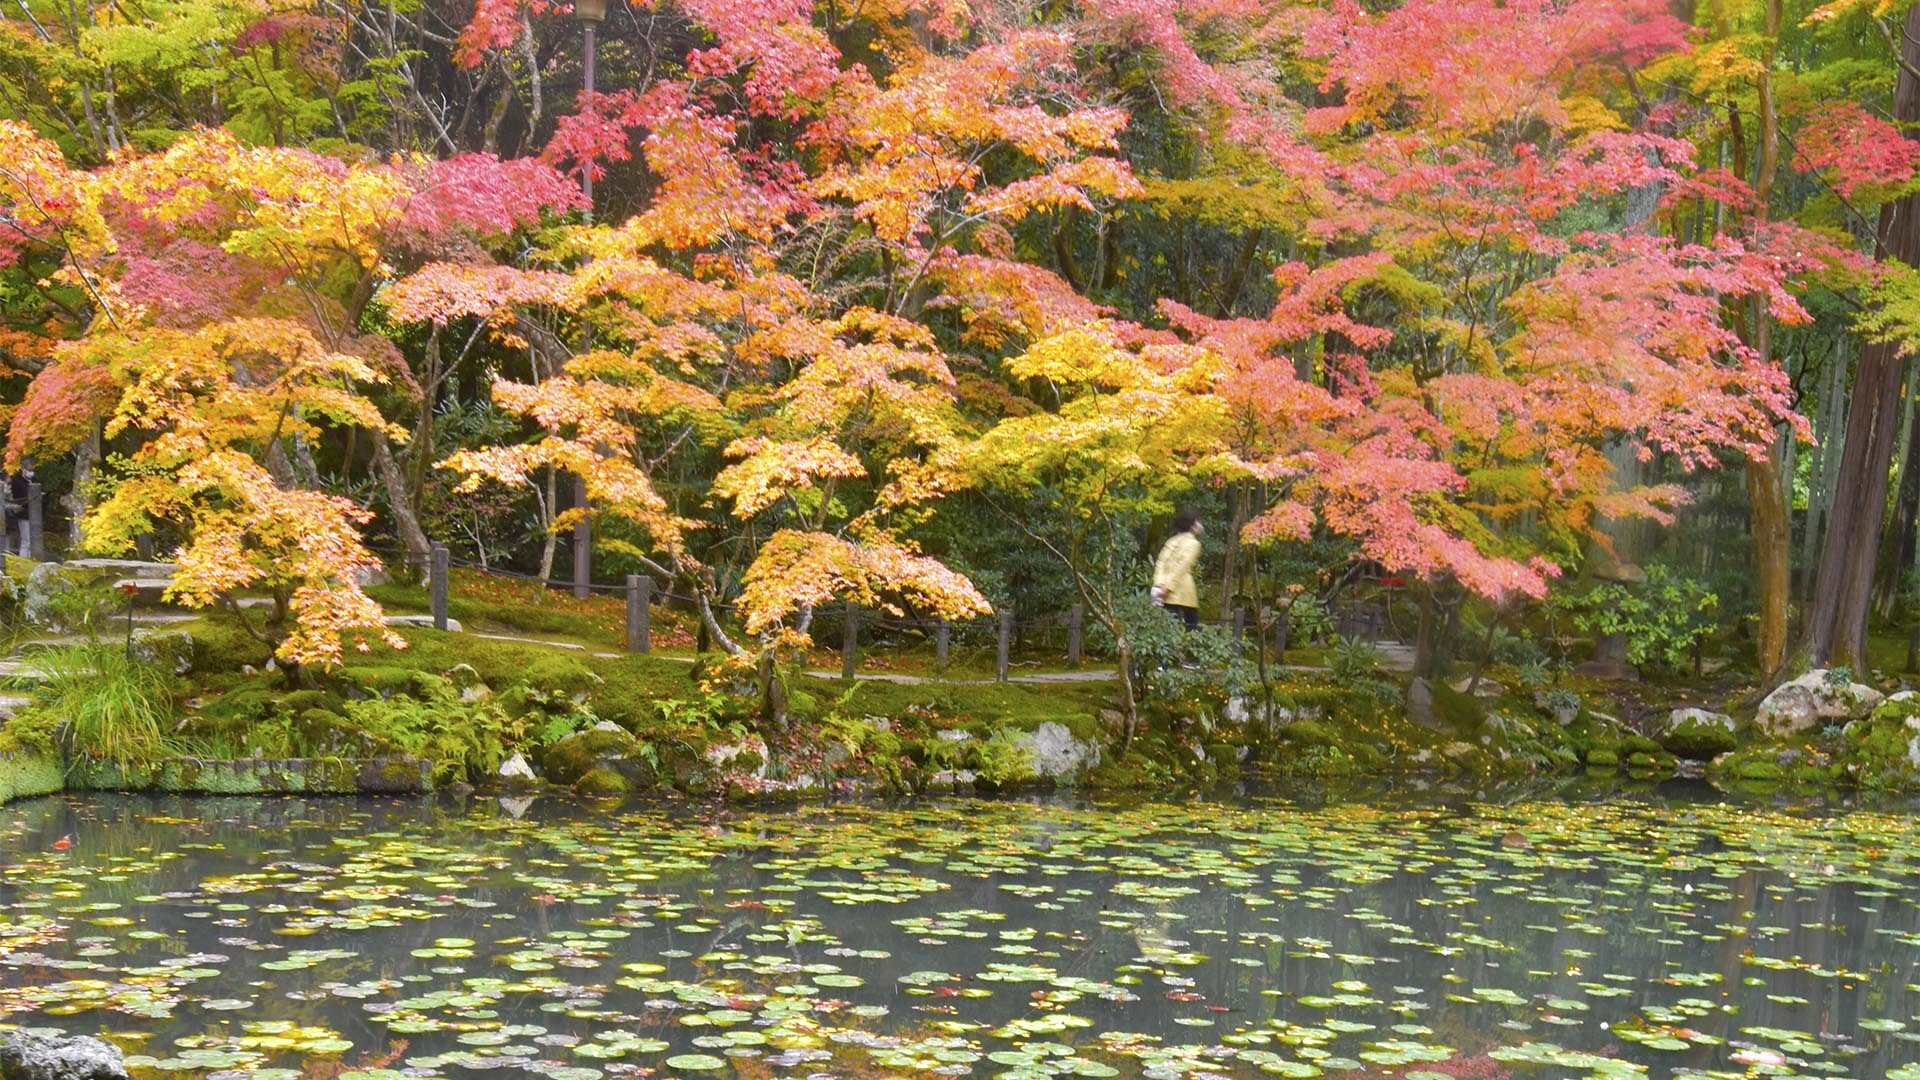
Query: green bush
column 1662, row 618
column 1172, row 663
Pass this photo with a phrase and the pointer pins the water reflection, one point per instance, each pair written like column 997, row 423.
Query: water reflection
column 1591, row 933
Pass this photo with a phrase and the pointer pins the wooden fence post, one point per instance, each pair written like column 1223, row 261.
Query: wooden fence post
column 437, row 562
column 36, row 521
column 942, row 639
column 1006, row 643
column 582, row 544
column 639, row 613
column 1076, row 620
column 850, row 643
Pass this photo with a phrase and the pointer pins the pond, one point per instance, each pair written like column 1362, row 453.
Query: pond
column 1660, row 934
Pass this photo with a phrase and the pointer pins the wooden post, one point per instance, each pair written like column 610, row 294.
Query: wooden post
column 942, row 639
column 1280, row 620
column 437, row 583
column 1239, row 623
column 143, row 544
column 639, row 613
column 36, row 521
column 850, row 643
column 1076, row 619
column 582, row 544
column 1006, row 644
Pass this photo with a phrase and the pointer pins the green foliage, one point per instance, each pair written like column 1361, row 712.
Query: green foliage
column 1005, row 758
column 1309, row 619
column 1662, row 619
column 1169, row 661
column 97, row 701
column 463, row 739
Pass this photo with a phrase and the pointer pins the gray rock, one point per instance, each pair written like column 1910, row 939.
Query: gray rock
column 1056, row 754
column 1420, row 704
column 516, row 768
column 47, row 585
column 423, row 622
column 126, row 568
column 33, row 1055
column 1813, row 700
column 169, row 649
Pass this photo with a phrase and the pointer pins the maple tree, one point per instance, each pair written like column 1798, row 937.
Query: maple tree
column 1464, row 286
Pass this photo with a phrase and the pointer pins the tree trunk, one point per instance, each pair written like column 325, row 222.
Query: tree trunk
column 1772, row 553
column 1772, row 521
column 85, row 457
column 407, row 524
column 1843, row 591
column 1896, row 540
column 551, row 510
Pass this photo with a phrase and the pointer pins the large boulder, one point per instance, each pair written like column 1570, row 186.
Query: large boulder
column 32, row 1055
column 607, row 749
column 1698, row 734
column 1816, row 699
column 1056, row 754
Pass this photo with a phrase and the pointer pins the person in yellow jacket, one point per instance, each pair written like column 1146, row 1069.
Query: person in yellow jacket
column 1173, row 586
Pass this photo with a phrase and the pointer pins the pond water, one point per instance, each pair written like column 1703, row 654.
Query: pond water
column 1645, row 934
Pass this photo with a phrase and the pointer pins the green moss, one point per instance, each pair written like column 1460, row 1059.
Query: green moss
column 25, row 772
column 1756, row 769
column 602, row 782
column 1698, row 739
column 570, row 760
column 1460, row 711
column 1601, row 757
column 1637, row 744
column 1303, row 733
column 324, row 734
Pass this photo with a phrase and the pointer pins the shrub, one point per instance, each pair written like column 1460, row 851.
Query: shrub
column 1662, row 618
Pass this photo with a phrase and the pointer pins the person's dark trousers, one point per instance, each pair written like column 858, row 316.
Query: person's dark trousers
column 1188, row 615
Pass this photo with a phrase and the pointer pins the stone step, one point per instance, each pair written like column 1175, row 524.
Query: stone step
column 423, row 622
column 126, row 568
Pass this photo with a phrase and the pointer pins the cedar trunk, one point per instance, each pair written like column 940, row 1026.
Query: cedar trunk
column 1772, row 557
column 1843, row 591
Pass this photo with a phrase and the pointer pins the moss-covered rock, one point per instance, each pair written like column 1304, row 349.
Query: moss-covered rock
column 1759, row 769
column 598, row 781
column 1603, row 757
column 606, row 748
column 1883, row 751
column 26, row 772
column 1698, row 734
column 321, row 733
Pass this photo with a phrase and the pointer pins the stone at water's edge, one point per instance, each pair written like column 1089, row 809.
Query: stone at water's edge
column 1812, row 700
column 1057, row 755
column 1697, row 734
column 613, row 759
column 25, row 773
column 516, row 769
column 28, row 1055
